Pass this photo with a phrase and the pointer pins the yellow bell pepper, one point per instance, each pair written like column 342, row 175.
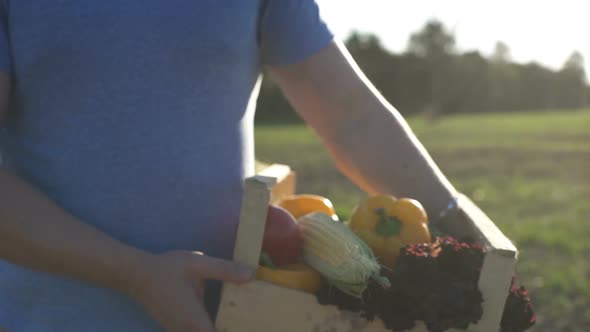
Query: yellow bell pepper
column 387, row 224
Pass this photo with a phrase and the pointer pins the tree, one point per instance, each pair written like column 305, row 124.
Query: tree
column 572, row 80
column 357, row 41
column 574, row 65
column 432, row 42
column 432, row 77
column 504, row 79
column 501, row 53
column 436, row 46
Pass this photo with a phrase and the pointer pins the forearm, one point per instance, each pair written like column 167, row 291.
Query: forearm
column 384, row 156
column 37, row 234
column 368, row 139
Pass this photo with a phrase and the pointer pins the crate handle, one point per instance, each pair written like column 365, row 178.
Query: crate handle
column 257, row 195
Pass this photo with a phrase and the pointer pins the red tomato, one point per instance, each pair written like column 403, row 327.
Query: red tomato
column 282, row 237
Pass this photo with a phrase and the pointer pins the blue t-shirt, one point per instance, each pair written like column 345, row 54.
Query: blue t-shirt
column 137, row 117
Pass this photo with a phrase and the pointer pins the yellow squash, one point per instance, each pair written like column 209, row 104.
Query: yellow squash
column 296, row 276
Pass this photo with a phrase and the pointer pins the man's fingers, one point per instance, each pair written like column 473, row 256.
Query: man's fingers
column 199, row 286
column 203, row 321
column 197, row 318
column 214, row 268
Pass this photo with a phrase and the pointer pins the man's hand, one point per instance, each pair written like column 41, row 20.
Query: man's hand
column 37, row 233
column 170, row 286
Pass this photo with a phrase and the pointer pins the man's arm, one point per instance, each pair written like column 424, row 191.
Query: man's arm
column 36, row 233
column 368, row 139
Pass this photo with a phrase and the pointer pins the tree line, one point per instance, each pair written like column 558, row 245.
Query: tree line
column 432, row 77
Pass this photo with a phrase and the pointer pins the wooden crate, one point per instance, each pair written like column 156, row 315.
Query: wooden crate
column 261, row 306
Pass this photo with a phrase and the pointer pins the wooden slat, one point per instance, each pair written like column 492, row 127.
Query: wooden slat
column 499, row 262
column 257, row 195
column 276, row 180
column 486, row 229
column 261, row 306
column 494, row 284
column 498, row 267
column 285, row 181
column 252, row 219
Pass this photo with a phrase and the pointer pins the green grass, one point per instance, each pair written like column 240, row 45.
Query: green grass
column 530, row 172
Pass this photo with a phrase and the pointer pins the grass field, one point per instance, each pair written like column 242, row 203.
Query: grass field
column 530, row 172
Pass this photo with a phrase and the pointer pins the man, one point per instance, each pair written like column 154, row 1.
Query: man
column 127, row 134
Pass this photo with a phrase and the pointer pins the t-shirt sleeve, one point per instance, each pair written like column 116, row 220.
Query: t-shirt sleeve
column 290, row 31
column 5, row 57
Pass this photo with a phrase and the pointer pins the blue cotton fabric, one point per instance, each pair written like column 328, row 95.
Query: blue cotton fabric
column 136, row 116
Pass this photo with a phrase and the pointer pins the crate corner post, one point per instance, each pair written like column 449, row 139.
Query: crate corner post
column 273, row 182
column 498, row 266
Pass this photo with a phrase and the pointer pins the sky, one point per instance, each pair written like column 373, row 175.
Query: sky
column 545, row 31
